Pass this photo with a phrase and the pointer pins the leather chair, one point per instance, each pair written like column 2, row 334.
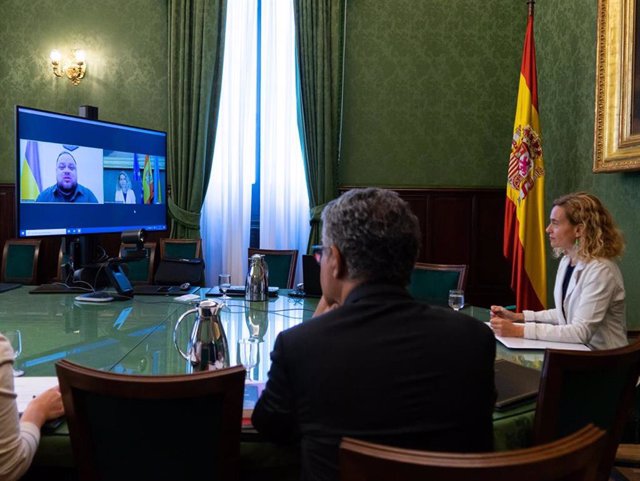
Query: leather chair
column 581, row 387
column 20, row 261
column 573, row 458
column 431, row 282
column 181, row 248
column 153, row 427
column 282, row 266
column 140, row 271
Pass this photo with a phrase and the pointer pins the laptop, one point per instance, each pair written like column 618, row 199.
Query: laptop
column 515, row 384
column 311, row 276
column 7, row 286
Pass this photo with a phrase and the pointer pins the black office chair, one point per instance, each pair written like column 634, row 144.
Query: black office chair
column 432, row 282
column 282, row 266
column 153, row 427
column 573, row 458
column 140, row 271
column 581, row 387
column 20, row 261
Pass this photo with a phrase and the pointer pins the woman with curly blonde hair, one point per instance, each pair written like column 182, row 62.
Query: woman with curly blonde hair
column 589, row 291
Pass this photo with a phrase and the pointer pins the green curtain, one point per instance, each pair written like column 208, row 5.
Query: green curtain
column 196, row 52
column 319, row 55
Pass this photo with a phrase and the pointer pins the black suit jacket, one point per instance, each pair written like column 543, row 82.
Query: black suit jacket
column 383, row 367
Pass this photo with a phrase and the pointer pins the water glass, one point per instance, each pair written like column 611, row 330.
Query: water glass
column 14, row 336
column 248, row 350
column 224, row 283
column 456, row 299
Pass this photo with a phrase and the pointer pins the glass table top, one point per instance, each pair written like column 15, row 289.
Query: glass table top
column 136, row 336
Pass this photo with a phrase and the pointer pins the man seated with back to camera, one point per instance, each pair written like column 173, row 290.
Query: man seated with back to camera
column 374, row 363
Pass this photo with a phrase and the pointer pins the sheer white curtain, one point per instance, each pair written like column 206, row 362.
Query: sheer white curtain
column 226, row 211
column 284, row 205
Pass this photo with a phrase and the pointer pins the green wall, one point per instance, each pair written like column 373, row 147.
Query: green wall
column 430, row 90
column 126, row 47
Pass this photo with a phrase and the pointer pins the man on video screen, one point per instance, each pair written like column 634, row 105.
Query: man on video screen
column 67, row 188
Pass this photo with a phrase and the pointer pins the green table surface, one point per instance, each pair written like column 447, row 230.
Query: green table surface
column 136, row 337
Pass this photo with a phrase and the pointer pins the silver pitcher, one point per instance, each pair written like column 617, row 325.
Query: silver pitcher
column 257, row 286
column 208, row 349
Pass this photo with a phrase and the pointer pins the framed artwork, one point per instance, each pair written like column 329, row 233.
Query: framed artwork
column 617, row 112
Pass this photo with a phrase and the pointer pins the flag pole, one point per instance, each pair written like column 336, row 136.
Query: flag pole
column 531, row 3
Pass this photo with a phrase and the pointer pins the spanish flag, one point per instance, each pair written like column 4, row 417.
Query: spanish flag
column 524, row 221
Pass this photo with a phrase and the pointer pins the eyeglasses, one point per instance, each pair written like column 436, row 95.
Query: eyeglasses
column 317, row 251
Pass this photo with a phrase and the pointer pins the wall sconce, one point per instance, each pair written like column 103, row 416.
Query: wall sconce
column 74, row 71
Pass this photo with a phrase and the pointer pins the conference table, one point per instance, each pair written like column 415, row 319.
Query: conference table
column 136, row 337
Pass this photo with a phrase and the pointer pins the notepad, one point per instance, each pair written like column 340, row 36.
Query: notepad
column 29, row 387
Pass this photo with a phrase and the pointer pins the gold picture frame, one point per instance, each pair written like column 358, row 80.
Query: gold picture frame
column 617, row 112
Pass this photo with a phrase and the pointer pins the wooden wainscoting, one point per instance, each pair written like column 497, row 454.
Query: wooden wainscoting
column 464, row 226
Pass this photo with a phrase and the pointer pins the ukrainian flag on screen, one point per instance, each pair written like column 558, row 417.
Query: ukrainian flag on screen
column 30, row 182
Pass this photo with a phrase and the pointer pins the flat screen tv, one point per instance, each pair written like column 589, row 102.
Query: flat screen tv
column 77, row 176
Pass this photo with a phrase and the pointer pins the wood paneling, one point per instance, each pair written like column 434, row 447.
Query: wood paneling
column 464, row 226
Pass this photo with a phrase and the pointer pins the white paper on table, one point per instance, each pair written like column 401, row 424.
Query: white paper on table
column 29, row 387
column 522, row 343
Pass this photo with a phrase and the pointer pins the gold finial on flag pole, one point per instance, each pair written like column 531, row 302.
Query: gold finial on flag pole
column 531, row 3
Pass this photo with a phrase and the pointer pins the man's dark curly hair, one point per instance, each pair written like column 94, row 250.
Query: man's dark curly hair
column 376, row 232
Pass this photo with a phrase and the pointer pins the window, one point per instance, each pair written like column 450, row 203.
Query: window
column 258, row 159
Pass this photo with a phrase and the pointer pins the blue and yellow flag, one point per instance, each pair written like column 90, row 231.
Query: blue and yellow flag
column 156, row 181
column 30, row 181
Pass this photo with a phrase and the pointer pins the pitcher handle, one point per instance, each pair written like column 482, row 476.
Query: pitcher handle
column 175, row 332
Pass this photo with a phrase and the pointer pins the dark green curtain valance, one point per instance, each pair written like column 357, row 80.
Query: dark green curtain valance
column 196, row 52
column 319, row 55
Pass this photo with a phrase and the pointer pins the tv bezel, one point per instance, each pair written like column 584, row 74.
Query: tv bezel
column 70, row 232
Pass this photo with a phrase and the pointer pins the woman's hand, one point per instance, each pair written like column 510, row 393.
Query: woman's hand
column 44, row 407
column 502, row 322
column 501, row 312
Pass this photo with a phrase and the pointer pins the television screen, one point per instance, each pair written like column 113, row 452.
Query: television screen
column 78, row 176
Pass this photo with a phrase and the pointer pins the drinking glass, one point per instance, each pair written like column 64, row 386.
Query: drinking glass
column 248, row 349
column 456, row 299
column 14, row 337
column 224, row 283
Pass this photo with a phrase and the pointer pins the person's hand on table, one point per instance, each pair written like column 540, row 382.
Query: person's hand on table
column 503, row 322
column 45, row 407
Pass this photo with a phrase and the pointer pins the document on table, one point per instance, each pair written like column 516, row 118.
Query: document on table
column 29, row 387
column 522, row 343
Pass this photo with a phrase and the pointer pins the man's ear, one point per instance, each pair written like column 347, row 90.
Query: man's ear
column 338, row 266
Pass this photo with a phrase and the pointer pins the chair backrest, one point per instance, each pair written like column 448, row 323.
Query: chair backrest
column 572, row 458
column 140, row 271
column 581, row 387
column 282, row 266
column 181, row 248
column 153, row 427
column 20, row 261
column 432, row 282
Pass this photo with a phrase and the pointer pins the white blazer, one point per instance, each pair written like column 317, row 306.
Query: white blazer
column 131, row 197
column 594, row 307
